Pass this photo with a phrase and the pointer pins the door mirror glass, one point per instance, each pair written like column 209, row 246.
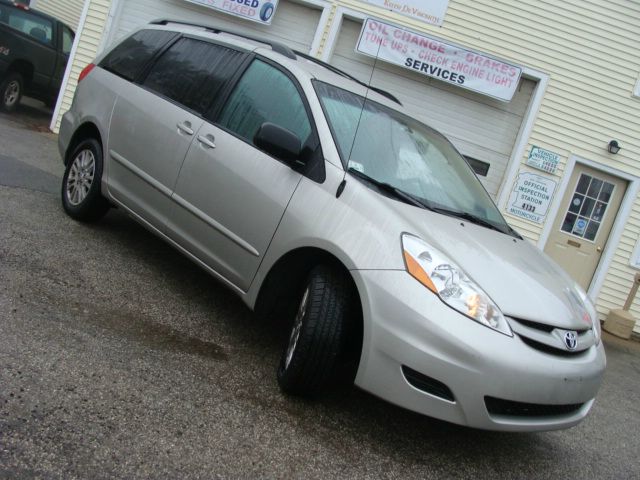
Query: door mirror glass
column 279, row 142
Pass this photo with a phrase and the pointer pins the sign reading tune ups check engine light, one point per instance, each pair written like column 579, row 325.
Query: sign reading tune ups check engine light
column 260, row 11
column 435, row 58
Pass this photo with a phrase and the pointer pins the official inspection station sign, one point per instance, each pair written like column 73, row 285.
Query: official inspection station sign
column 435, row 58
column 261, row 11
column 428, row 11
column 531, row 196
column 543, row 159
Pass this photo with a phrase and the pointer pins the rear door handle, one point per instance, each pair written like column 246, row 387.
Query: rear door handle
column 207, row 140
column 185, row 127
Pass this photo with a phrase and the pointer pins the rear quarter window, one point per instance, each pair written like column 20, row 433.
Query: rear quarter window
column 129, row 58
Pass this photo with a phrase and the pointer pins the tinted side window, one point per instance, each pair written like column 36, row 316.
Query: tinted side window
column 130, row 57
column 265, row 94
column 192, row 72
column 36, row 27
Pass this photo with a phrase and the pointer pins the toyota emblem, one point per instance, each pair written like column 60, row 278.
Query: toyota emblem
column 571, row 340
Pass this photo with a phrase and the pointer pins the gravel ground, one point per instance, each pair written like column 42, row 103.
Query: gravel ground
column 120, row 358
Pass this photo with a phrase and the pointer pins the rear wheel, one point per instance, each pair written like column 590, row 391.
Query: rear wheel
column 11, row 89
column 81, row 195
column 317, row 338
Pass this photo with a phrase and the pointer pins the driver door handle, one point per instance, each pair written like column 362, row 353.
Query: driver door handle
column 185, row 127
column 207, row 140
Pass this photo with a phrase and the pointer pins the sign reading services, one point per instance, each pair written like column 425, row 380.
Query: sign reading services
column 429, row 11
column 437, row 59
column 543, row 159
column 531, row 196
column 260, row 11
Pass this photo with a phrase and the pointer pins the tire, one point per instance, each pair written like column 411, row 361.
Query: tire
column 81, row 195
column 11, row 89
column 317, row 338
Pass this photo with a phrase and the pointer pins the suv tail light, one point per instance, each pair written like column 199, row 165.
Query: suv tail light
column 85, row 71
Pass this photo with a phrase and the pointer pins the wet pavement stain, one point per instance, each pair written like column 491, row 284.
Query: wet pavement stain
column 154, row 335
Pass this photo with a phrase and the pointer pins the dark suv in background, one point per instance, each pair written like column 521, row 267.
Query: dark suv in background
column 34, row 49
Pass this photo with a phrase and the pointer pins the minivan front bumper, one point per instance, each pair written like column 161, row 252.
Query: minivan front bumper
column 415, row 348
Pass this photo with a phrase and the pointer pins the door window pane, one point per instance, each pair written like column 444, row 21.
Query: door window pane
column 192, row 72
column 583, row 183
column 129, row 58
column 605, row 193
column 594, row 188
column 67, row 40
column 576, row 203
column 592, row 230
column 265, row 94
column 587, row 207
column 569, row 220
column 598, row 211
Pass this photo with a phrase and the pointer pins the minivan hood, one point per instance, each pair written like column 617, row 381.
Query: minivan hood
column 519, row 278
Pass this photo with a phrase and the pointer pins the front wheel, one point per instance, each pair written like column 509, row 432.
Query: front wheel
column 11, row 89
column 317, row 336
column 81, row 195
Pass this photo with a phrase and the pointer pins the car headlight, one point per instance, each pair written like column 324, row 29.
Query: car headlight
column 444, row 278
column 588, row 312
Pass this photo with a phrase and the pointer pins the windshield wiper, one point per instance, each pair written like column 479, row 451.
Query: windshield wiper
column 396, row 192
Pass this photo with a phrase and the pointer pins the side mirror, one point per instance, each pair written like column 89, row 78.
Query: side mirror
column 279, row 142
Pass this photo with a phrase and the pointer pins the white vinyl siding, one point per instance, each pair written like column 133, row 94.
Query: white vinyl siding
column 66, row 10
column 293, row 24
column 89, row 36
column 479, row 126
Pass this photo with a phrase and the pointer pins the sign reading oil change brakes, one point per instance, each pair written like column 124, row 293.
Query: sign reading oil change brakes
column 260, row 11
column 531, row 196
column 438, row 59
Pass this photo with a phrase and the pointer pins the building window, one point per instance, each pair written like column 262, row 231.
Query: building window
column 481, row 168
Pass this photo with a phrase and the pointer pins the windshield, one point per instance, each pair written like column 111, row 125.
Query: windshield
column 397, row 150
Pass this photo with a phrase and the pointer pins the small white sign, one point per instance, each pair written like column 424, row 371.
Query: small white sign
column 531, row 196
column 435, row 58
column 261, row 11
column 428, row 11
column 543, row 159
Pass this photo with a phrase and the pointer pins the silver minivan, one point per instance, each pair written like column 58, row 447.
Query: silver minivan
column 320, row 202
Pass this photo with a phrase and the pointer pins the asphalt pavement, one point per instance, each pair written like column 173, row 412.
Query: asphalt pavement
column 119, row 358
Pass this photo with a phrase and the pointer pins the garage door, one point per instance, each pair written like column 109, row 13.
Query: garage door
column 293, row 24
column 480, row 127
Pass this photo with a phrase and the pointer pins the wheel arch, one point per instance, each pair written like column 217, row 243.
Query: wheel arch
column 285, row 280
column 24, row 68
column 84, row 131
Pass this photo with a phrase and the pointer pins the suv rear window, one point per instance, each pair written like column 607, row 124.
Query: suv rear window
column 36, row 27
column 129, row 58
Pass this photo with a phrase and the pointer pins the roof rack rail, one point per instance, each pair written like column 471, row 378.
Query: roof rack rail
column 275, row 46
column 333, row 69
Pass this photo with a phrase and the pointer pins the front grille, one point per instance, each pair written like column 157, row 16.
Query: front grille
column 548, row 339
column 427, row 384
column 498, row 406
column 551, row 350
column 535, row 325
